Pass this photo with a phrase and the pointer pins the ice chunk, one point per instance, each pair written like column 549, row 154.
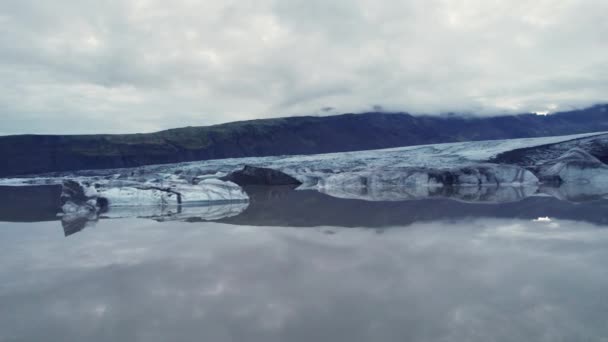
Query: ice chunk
column 208, row 190
column 83, row 204
column 131, row 196
column 483, row 182
column 482, row 174
column 575, row 167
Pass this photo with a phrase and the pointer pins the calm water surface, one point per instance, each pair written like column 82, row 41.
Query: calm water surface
column 477, row 274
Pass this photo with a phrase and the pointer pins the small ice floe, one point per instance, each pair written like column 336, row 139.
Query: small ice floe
column 83, row 204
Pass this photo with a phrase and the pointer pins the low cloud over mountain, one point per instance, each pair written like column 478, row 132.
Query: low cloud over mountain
column 141, row 65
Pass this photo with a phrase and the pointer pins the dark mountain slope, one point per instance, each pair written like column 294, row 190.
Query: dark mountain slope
column 30, row 154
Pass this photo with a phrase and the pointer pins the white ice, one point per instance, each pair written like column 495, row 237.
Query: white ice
column 310, row 167
column 197, row 181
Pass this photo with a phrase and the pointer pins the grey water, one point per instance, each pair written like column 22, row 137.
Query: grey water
column 303, row 266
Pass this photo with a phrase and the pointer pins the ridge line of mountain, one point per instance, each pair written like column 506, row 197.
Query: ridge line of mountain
column 33, row 154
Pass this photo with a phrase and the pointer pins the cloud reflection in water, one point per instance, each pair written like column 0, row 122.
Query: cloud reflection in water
column 478, row 280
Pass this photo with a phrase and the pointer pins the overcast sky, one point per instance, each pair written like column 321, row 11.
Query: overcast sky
column 69, row 66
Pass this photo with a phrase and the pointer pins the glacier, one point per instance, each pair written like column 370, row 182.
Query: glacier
column 305, row 167
column 460, row 170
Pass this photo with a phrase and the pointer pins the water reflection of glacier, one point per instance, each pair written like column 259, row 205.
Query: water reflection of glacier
column 280, row 206
column 194, row 213
column 283, row 206
column 207, row 212
column 486, row 194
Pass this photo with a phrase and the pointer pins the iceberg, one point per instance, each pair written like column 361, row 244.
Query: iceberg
column 575, row 167
column 83, row 204
column 484, row 183
column 482, row 175
column 208, row 190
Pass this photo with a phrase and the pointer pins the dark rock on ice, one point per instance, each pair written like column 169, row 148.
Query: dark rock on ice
column 251, row 175
column 72, row 191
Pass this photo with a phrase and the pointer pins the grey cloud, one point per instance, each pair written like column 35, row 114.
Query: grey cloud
column 143, row 65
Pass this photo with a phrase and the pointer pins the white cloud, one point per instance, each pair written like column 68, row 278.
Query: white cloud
column 142, row 65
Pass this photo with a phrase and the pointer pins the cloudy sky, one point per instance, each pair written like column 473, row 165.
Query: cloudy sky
column 71, row 66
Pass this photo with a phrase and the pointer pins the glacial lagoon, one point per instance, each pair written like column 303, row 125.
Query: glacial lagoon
column 305, row 266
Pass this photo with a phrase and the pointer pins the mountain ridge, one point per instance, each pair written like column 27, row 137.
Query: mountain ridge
column 34, row 153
